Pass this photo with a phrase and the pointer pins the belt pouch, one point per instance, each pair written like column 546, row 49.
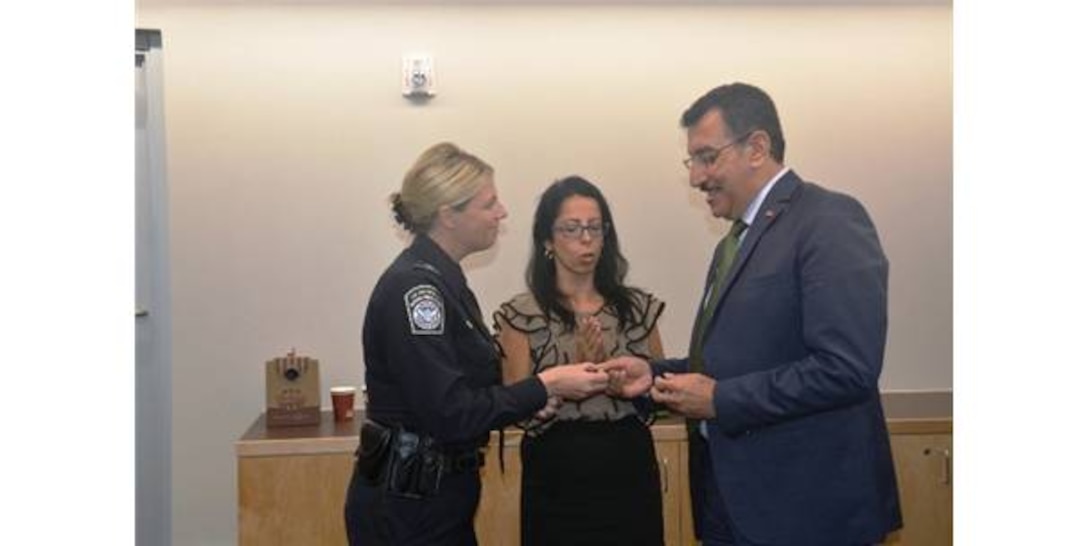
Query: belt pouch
column 372, row 457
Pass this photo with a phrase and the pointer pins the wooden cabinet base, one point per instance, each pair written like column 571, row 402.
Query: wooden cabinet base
column 292, row 481
column 923, row 466
column 293, row 500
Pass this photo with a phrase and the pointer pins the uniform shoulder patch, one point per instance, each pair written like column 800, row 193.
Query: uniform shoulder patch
column 426, row 313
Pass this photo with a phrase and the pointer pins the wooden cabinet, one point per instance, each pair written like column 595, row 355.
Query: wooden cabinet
column 498, row 519
column 292, row 481
column 296, row 499
column 923, row 465
column 672, row 457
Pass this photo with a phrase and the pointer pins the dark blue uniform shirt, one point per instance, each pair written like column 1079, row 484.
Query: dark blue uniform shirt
column 431, row 363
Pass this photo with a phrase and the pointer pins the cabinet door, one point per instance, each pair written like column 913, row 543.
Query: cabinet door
column 668, row 463
column 293, row 500
column 683, row 492
column 923, row 466
column 498, row 518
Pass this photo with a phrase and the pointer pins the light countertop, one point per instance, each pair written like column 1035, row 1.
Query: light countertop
column 907, row 412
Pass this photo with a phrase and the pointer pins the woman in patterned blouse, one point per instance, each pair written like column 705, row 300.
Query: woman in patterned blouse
column 589, row 474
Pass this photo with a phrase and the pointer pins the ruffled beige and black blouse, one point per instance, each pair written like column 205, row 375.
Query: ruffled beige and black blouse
column 551, row 343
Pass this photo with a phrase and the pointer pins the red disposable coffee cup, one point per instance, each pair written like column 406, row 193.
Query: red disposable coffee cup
column 343, row 403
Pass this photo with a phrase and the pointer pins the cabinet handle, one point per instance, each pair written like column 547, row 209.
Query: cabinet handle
column 946, row 469
column 665, row 474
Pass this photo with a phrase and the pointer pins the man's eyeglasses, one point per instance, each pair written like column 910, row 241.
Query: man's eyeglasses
column 707, row 157
column 574, row 230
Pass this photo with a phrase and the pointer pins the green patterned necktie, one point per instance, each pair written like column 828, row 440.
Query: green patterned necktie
column 726, row 254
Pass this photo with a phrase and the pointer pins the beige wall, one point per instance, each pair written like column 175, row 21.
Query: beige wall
column 286, row 131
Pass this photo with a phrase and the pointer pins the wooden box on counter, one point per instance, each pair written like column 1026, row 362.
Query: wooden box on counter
column 292, row 391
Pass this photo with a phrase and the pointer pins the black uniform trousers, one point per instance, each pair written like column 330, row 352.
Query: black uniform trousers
column 377, row 518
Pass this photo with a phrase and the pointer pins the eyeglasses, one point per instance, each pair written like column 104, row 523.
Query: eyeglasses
column 707, row 157
column 574, row 230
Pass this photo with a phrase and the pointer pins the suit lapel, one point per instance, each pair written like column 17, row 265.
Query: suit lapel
column 774, row 206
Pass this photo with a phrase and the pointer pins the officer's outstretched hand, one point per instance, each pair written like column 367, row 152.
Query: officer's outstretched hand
column 628, row 376
column 574, row 381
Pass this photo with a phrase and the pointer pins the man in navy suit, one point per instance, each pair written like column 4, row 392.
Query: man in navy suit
column 787, row 434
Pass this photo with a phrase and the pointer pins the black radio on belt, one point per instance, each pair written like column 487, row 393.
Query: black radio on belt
column 416, row 466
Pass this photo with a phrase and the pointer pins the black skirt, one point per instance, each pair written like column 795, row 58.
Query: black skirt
column 591, row 483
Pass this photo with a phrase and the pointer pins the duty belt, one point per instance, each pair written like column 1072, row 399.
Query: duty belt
column 464, row 461
column 409, row 464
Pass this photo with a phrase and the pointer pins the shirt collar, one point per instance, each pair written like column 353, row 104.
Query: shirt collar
column 753, row 207
column 427, row 250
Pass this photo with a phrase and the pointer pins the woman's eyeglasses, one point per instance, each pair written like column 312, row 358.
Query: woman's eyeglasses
column 574, row 230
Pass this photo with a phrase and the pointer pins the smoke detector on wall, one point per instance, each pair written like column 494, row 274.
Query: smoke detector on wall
column 418, row 76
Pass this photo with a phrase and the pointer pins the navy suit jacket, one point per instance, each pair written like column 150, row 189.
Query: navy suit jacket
column 799, row 444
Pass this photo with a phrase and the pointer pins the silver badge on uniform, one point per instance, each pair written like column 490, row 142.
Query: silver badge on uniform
column 425, row 310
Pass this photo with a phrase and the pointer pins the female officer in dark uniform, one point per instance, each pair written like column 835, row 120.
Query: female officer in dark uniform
column 432, row 368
